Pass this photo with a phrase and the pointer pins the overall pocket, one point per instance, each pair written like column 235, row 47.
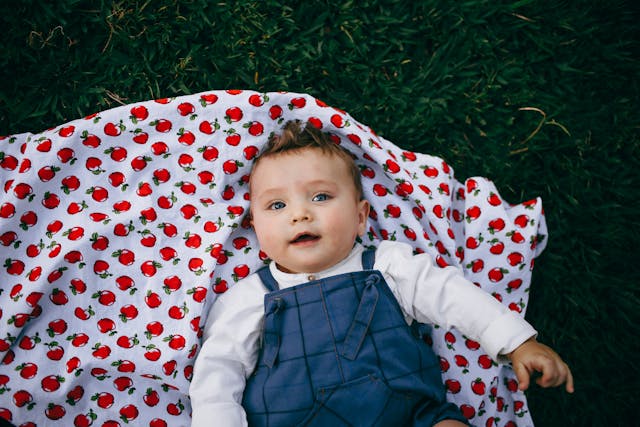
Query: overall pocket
column 364, row 402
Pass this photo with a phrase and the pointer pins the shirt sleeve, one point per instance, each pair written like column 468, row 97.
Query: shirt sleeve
column 443, row 296
column 228, row 356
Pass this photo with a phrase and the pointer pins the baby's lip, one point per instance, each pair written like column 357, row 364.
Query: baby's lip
column 305, row 236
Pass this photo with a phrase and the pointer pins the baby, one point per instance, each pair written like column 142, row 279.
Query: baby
column 321, row 336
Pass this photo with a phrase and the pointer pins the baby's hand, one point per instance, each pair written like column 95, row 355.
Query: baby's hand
column 533, row 356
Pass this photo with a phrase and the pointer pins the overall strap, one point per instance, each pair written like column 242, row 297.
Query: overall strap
column 368, row 259
column 267, row 279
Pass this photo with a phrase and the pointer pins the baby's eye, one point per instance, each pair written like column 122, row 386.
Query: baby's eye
column 277, row 205
column 321, row 197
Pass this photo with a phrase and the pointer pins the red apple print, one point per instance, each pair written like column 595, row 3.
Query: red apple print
column 297, row 103
column 106, row 325
column 338, row 121
column 514, row 284
column 478, row 387
column 476, row 265
column 240, row 272
column 404, row 188
column 125, row 283
column 105, row 297
column 8, row 238
column 101, row 351
column 113, row 129
column 494, row 199
column 51, row 383
column 47, row 173
column 55, row 412
column 233, row 114
column 73, row 364
column 176, row 342
column 168, row 253
column 516, row 237
column 391, row 166
column 14, row 267
column 148, row 215
column 186, row 108
column 128, row 312
column 485, row 361
column 128, row 413
column 515, row 258
column 467, row 411
column 57, row 327
column 220, row 286
column 275, row 112
column 199, row 293
column 517, row 307
column 169, row 368
column 175, row 409
column 522, row 221
column 392, row 211
column 55, row 352
column 178, row 312
column 255, row 128
column 231, row 166
column 28, row 219
column 186, row 137
column 151, row 397
column 149, row 268
column 7, row 210
column 23, row 398
column 162, row 125
column 169, row 230
column 443, row 188
column 127, row 342
column 497, row 224
column 139, row 113
column 8, row 162
column 453, row 386
column 473, row 242
column 471, row 344
column 153, row 300
column 23, row 191
column 444, row 364
column 44, row 146
column 101, row 268
column 121, row 206
column 50, row 200
column 154, row 329
column 172, row 284
column 83, row 314
column 189, row 211
column 208, row 128
column 208, row 99
column 430, row 172
column 256, row 100
column 104, row 400
column 497, row 247
column 27, row 370
column 152, row 353
column 450, row 339
column 473, row 213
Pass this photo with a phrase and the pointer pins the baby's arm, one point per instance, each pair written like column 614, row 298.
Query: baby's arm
column 532, row 356
column 228, row 356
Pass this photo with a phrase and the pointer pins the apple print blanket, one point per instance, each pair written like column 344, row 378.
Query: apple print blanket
column 118, row 230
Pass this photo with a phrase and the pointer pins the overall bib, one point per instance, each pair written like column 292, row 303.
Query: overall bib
column 338, row 352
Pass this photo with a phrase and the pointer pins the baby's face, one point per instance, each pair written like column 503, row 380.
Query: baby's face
column 305, row 210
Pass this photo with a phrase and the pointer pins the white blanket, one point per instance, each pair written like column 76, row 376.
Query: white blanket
column 118, row 230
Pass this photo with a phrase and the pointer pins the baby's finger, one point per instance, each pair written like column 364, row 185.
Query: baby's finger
column 522, row 374
column 569, row 386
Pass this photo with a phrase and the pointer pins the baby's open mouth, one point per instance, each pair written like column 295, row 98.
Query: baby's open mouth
column 305, row 237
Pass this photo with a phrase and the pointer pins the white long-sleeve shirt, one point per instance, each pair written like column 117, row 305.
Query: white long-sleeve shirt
column 425, row 292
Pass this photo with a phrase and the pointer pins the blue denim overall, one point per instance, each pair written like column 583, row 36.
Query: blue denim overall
column 338, row 352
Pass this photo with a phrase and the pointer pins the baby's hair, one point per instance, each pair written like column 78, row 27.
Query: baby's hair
column 294, row 137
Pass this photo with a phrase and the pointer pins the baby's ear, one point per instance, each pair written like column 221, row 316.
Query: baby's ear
column 363, row 214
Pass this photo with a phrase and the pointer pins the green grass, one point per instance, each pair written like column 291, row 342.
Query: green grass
column 542, row 97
